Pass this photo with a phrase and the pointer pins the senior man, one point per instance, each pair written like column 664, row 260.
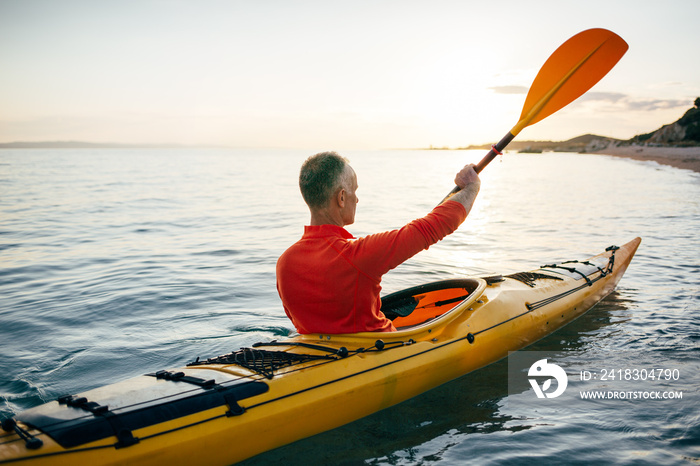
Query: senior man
column 329, row 282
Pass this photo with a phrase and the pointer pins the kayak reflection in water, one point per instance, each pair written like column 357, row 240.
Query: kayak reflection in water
column 329, row 282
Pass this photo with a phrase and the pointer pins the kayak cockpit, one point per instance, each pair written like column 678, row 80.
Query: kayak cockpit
column 423, row 304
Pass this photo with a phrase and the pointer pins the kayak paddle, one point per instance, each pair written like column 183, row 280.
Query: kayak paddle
column 576, row 66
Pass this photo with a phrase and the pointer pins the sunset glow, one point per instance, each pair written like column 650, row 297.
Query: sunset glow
column 307, row 74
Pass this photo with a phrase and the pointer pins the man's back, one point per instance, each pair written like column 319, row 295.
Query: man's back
column 331, row 284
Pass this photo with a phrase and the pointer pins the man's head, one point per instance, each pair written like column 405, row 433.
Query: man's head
column 327, row 181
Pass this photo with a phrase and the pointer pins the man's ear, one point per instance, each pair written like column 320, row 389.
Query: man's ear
column 340, row 198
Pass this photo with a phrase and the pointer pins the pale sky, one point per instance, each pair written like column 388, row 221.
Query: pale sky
column 326, row 75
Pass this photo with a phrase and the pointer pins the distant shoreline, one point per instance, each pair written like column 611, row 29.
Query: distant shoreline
column 98, row 145
column 679, row 157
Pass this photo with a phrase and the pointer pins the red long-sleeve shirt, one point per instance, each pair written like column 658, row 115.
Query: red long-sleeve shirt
column 329, row 282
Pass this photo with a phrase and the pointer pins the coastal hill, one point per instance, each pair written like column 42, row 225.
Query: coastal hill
column 585, row 143
column 685, row 132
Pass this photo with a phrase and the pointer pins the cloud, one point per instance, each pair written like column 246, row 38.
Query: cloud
column 604, row 96
column 657, row 104
column 625, row 102
column 667, row 84
column 617, row 100
column 509, row 89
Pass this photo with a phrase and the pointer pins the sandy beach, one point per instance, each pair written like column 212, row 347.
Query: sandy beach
column 679, row 157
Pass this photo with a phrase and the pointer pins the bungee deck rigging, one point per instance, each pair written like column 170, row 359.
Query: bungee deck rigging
column 589, row 282
column 530, row 278
column 266, row 362
column 262, row 362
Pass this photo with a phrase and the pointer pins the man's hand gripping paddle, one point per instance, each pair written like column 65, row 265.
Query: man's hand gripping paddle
column 576, row 66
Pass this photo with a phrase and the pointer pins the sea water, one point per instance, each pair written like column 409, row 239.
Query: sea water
column 116, row 262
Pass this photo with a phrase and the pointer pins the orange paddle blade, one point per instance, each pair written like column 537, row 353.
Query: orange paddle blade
column 576, row 66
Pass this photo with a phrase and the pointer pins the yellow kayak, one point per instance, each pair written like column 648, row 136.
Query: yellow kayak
column 231, row 407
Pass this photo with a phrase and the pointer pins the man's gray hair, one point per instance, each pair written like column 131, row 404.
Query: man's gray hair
column 320, row 178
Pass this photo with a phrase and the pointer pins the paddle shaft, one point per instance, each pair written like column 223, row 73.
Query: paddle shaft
column 495, row 150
